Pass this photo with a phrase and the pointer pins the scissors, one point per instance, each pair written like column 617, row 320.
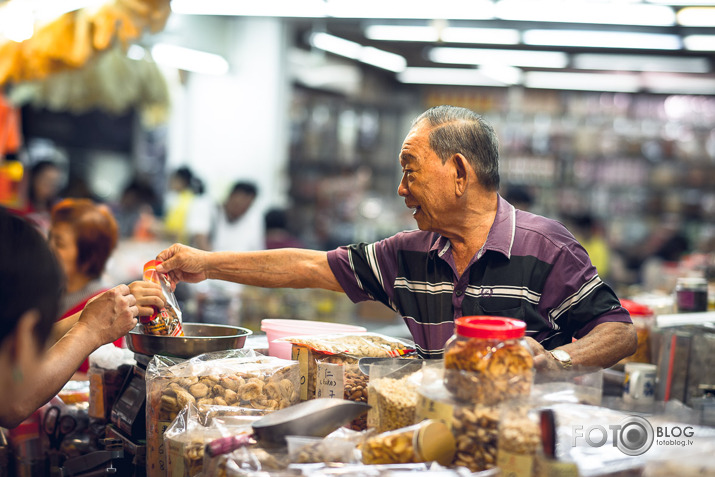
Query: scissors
column 57, row 426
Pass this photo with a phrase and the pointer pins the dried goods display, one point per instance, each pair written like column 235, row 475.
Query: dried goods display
column 487, row 362
column 476, row 433
column 393, row 397
column 519, row 438
column 426, row 441
column 241, row 380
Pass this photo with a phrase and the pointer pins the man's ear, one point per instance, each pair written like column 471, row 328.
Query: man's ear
column 462, row 168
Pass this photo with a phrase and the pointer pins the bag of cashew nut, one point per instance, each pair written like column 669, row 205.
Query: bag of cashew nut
column 248, row 382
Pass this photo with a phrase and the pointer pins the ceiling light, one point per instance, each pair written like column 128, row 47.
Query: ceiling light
column 188, row 59
column 697, row 16
column 412, row 9
column 502, row 73
column 678, row 84
column 493, row 36
column 447, row 76
column 263, row 8
column 588, row 61
column 602, row 39
column 573, row 11
column 356, row 51
column 682, row 2
column 477, row 56
column 699, row 42
column 582, row 81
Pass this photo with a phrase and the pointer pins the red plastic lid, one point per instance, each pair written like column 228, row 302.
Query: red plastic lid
column 490, row 327
column 636, row 309
column 151, row 265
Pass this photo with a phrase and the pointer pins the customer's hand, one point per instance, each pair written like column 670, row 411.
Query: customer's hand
column 110, row 315
column 182, row 264
column 149, row 296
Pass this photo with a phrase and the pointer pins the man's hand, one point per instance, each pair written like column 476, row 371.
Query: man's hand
column 543, row 361
column 183, row 264
column 109, row 316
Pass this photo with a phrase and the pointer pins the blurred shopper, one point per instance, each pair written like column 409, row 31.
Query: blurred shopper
column 43, row 187
column 277, row 233
column 135, row 211
column 31, row 283
column 233, row 225
column 589, row 232
column 474, row 254
column 519, row 197
column 184, row 186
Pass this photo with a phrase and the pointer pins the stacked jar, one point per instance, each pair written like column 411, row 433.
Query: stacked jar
column 488, row 360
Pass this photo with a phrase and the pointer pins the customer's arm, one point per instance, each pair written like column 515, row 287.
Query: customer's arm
column 106, row 318
column 280, row 268
column 605, row 345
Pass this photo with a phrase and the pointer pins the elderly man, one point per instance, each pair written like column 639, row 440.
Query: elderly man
column 474, row 254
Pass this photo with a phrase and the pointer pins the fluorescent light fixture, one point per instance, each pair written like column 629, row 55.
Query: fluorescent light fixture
column 683, row 2
column 356, row 51
column 602, row 39
column 503, row 73
column 188, row 59
column 493, row 36
column 477, row 56
column 394, row 9
column 582, row 81
column 697, row 16
column 262, row 8
column 580, row 11
column 699, row 42
column 589, row 61
column 411, row 9
column 679, row 84
column 447, row 76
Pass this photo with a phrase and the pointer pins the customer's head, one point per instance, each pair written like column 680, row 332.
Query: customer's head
column 240, row 200
column 31, row 283
column 45, row 180
column 455, row 130
column 83, row 235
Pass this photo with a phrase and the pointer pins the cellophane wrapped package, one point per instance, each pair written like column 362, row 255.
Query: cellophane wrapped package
column 247, row 382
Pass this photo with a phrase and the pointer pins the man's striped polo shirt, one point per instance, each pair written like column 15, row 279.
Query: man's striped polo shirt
column 530, row 268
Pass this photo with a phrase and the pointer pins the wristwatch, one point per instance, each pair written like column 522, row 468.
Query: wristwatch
column 562, row 357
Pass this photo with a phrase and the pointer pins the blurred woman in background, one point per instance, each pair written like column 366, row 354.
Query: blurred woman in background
column 43, row 187
column 82, row 236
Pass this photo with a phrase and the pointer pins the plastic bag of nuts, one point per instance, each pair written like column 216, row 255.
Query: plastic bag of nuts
column 393, row 394
column 339, row 349
column 476, row 433
column 519, row 438
column 426, row 441
column 251, row 383
column 487, row 361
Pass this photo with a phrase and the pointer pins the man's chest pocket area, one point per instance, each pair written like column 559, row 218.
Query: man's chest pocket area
column 494, row 306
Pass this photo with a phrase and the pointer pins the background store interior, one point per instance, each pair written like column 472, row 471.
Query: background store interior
column 624, row 134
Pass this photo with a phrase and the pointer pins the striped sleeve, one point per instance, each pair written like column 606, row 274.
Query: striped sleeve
column 358, row 270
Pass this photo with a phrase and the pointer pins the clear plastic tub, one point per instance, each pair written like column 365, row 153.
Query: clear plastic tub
column 275, row 328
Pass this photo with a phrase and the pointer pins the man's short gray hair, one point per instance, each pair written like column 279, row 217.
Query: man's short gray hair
column 459, row 130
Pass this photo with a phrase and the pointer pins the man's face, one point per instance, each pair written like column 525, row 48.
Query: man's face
column 426, row 183
column 237, row 204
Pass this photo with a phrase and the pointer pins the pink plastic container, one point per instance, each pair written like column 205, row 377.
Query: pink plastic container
column 275, row 329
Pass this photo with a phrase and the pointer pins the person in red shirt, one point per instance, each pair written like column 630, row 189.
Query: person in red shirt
column 82, row 236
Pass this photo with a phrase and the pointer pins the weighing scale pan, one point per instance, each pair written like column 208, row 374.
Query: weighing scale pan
column 198, row 338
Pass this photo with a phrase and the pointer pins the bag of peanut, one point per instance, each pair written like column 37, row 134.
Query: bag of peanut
column 249, row 382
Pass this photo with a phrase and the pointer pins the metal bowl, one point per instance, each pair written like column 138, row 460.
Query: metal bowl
column 198, row 338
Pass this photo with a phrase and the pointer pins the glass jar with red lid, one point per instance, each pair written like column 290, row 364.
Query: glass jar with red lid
column 487, row 360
